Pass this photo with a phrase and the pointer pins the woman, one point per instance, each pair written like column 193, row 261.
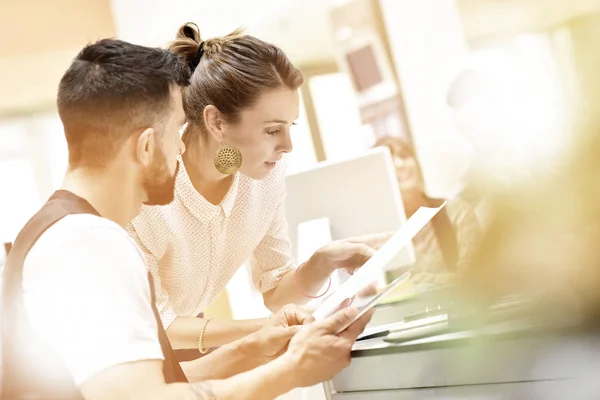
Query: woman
column 444, row 246
column 230, row 191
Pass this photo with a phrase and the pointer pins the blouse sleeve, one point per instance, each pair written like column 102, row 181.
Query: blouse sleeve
column 272, row 258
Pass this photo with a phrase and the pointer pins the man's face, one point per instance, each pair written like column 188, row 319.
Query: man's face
column 159, row 177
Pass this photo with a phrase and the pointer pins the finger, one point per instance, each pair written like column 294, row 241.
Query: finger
column 362, row 249
column 356, row 261
column 337, row 321
column 369, row 290
column 353, row 331
column 289, row 315
column 346, row 303
column 310, row 308
column 300, row 316
column 356, row 254
column 374, row 241
column 295, row 329
column 280, row 337
column 283, row 334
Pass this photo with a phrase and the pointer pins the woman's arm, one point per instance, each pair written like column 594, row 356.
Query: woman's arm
column 349, row 254
column 251, row 351
column 184, row 332
column 273, row 267
column 294, row 287
column 310, row 279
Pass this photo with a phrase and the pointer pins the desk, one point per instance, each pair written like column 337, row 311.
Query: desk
column 506, row 360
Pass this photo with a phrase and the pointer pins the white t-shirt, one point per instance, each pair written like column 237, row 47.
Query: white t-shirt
column 87, row 295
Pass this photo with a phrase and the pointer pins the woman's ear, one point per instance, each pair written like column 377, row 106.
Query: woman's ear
column 213, row 122
column 145, row 146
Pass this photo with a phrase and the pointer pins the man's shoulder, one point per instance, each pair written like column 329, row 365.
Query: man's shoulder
column 88, row 246
column 82, row 226
column 87, row 221
column 83, row 232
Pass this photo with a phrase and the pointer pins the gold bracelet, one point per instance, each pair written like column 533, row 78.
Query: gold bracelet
column 201, row 338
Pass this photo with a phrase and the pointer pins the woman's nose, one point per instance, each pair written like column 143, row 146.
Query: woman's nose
column 286, row 146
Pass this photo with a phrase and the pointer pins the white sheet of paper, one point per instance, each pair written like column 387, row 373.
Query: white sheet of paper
column 368, row 273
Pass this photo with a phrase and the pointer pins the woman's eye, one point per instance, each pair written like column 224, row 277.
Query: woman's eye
column 273, row 132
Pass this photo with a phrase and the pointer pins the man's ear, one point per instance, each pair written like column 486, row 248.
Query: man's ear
column 144, row 147
column 213, row 122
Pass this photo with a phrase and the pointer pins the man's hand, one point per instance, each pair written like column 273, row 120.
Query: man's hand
column 316, row 353
column 273, row 338
column 350, row 253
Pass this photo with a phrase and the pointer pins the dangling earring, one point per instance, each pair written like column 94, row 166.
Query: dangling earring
column 228, row 159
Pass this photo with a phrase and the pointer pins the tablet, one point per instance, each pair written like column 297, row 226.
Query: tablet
column 364, row 304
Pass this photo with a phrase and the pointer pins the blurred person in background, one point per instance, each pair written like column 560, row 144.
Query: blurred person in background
column 493, row 113
column 543, row 235
column 445, row 245
column 536, row 276
column 229, row 194
column 79, row 321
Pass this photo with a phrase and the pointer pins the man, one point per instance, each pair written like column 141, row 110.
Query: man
column 79, row 317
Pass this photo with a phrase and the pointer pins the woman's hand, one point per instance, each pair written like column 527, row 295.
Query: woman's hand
column 350, row 253
column 273, row 338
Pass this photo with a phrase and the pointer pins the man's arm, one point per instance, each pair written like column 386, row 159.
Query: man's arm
column 231, row 359
column 314, row 355
column 264, row 383
column 143, row 380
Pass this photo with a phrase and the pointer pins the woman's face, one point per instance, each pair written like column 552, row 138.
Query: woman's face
column 263, row 133
column 407, row 170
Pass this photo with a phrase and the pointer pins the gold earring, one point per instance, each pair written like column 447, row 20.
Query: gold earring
column 228, row 159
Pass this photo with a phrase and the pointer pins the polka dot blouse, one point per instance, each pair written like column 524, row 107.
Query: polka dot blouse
column 193, row 247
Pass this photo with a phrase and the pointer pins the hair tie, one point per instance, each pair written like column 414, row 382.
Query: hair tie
column 196, row 60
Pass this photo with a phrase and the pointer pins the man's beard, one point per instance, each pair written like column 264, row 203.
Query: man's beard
column 158, row 182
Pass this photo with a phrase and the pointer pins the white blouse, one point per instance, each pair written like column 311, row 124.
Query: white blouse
column 194, row 248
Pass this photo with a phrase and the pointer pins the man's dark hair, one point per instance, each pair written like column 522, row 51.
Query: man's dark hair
column 111, row 90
